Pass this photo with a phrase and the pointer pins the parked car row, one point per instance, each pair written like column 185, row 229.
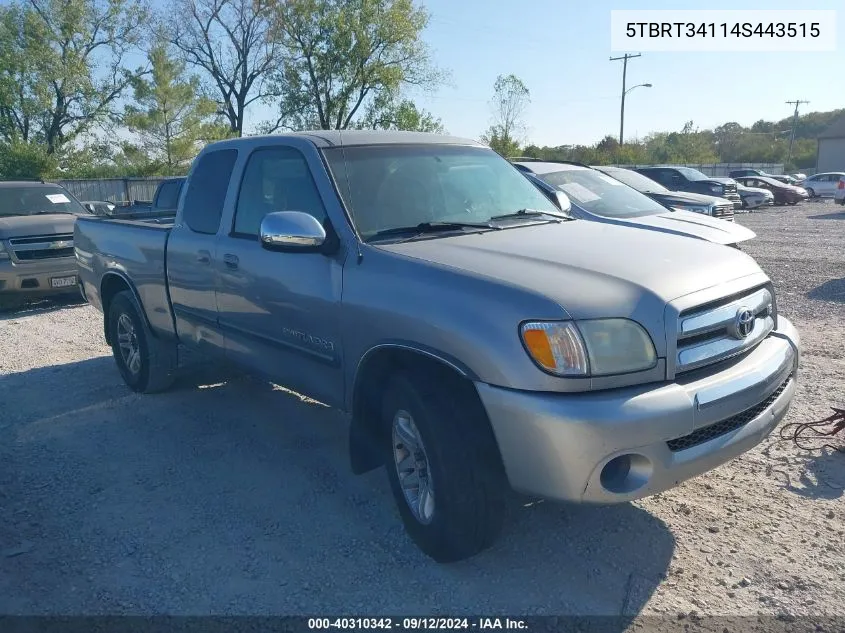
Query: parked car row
column 476, row 335
column 601, row 195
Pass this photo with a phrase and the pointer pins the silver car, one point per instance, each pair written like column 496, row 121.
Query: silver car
column 755, row 197
column 823, row 185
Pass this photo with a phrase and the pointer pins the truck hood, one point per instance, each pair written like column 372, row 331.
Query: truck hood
column 590, row 269
column 721, row 181
column 684, row 197
column 24, row 225
column 692, row 224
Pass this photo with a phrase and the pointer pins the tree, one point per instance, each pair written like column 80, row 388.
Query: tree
column 19, row 159
column 727, row 140
column 171, row 115
column 342, row 55
column 392, row 113
column 65, row 70
column 231, row 42
column 510, row 101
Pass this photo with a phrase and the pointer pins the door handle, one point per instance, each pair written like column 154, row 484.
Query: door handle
column 203, row 257
column 230, row 260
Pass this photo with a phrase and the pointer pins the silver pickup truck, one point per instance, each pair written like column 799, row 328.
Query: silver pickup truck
column 476, row 336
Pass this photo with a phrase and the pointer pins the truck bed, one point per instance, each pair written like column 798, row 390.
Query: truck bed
column 129, row 248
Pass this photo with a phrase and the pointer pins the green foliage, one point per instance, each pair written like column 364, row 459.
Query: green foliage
column 170, row 114
column 342, row 55
column 763, row 142
column 62, row 66
column 22, row 160
column 390, row 113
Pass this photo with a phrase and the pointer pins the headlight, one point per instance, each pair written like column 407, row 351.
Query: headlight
column 598, row 347
column 715, row 188
column 706, row 209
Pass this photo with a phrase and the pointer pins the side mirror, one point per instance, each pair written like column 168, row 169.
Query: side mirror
column 291, row 231
column 563, row 201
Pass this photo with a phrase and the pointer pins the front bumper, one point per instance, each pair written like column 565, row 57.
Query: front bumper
column 756, row 203
column 619, row 445
column 35, row 278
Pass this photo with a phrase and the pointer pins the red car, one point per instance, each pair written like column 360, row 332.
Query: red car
column 784, row 194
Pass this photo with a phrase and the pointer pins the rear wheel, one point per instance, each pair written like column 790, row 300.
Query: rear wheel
column 443, row 465
column 146, row 363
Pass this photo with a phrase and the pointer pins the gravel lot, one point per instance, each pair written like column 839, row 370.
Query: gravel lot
column 229, row 495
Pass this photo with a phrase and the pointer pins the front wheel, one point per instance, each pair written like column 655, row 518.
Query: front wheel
column 811, row 193
column 146, row 363
column 444, row 469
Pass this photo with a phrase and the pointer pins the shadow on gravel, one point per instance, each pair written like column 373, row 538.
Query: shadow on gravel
column 43, row 306
column 832, row 290
column 822, row 476
column 233, row 496
column 839, row 215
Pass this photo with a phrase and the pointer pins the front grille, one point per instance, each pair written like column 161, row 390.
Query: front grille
column 713, row 332
column 35, row 247
column 707, row 433
column 723, row 211
column 44, row 254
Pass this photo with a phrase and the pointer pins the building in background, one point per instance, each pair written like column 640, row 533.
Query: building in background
column 830, row 155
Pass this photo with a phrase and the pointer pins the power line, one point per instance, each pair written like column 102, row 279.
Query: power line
column 796, row 103
column 624, row 59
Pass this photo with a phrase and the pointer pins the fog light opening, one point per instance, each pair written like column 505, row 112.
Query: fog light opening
column 626, row 473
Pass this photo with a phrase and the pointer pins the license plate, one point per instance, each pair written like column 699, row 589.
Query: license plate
column 63, row 282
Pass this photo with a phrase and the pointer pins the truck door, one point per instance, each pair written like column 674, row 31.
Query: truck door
column 192, row 251
column 278, row 310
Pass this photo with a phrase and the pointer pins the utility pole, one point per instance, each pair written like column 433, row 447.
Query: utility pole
column 624, row 59
column 796, row 103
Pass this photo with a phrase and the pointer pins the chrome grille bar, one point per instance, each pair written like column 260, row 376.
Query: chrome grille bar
column 710, row 335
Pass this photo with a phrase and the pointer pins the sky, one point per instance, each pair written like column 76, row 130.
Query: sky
column 561, row 48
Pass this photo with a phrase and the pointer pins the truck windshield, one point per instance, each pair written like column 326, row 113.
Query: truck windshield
column 388, row 187
column 693, row 174
column 641, row 183
column 598, row 193
column 37, row 200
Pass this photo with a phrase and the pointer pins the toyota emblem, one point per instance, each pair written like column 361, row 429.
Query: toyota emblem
column 743, row 323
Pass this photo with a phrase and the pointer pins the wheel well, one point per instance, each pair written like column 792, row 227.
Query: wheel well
column 367, row 432
column 110, row 286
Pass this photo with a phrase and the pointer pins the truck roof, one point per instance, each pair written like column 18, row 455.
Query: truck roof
column 543, row 167
column 26, row 183
column 347, row 138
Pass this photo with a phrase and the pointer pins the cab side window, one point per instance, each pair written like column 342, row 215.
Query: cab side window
column 275, row 179
column 207, row 188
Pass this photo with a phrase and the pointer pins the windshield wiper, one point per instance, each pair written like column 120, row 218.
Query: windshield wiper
column 434, row 227
column 532, row 213
column 53, row 213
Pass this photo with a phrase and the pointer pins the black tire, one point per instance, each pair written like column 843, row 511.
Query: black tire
column 157, row 359
column 811, row 193
column 465, row 468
